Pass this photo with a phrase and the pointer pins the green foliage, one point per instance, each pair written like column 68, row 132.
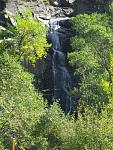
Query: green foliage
column 90, row 131
column 23, row 111
column 49, row 128
column 92, row 50
column 20, row 106
column 28, row 37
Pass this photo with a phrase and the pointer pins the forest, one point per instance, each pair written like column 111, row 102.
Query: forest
column 25, row 113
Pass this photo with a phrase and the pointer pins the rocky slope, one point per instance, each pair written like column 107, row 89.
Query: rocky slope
column 42, row 9
column 55, row 8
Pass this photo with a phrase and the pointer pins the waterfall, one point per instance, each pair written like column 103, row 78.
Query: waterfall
column 58, row 78
column 62, row 82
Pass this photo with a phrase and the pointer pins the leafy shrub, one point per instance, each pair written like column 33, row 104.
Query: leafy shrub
column 20, row 105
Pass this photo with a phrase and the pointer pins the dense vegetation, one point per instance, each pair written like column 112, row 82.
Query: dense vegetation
column 23, row 111
column 92, row 55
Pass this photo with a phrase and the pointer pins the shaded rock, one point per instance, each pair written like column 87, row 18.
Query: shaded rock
column 70, row 1
column 2, row 5
column 68, row 12
column 87, row 6
column 54, row 2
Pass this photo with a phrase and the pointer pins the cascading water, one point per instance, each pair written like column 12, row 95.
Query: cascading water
column 58, row 79
column 62, row 82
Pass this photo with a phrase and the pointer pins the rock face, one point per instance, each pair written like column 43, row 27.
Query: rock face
column 56, row 8
column 45, row 10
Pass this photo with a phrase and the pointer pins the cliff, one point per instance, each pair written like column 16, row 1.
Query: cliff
column 56, row 8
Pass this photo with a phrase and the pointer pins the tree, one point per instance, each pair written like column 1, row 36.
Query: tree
column 28, row 37
column 91, row 54
column 20, row 105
